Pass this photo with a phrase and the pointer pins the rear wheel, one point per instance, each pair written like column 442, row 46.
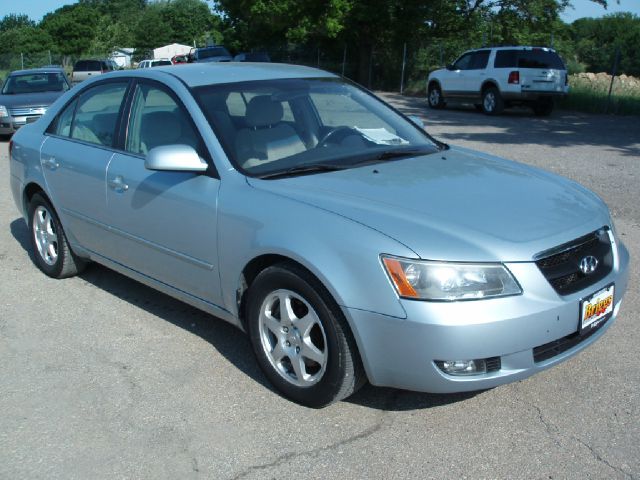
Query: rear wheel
column 435, row 98
column 543, row 108
column 300, row 337
column 52, row 253
column 492, row 102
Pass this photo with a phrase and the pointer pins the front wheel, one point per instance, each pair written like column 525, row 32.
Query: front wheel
column 300, row 337
column 436, row 101
column 52, row 253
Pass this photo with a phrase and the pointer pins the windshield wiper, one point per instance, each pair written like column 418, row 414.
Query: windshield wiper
column 403, row 152
column 304, row 169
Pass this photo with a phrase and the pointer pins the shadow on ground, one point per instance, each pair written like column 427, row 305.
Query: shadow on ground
column 229, row 341
column 520, row 126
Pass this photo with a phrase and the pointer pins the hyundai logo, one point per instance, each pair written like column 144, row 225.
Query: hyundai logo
column 588, row 264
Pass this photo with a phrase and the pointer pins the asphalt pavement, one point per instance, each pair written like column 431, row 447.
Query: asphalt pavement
column 102, row 377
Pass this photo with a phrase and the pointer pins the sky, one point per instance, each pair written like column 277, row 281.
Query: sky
column 587, row 8
column 36, row 9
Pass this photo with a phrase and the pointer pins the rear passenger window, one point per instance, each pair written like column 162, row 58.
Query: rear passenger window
column 97, row 114
column 506, row 59
column 62, row 124
column 479, row 60
column 156, row 119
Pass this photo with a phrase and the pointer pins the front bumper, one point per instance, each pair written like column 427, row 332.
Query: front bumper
column 10, row 125
column 401, row 353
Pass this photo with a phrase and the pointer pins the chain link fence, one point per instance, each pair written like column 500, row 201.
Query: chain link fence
column 21, row 61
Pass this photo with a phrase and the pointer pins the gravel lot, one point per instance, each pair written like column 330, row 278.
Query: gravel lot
column 101, row 377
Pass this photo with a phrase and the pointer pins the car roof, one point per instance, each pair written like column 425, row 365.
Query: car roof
column 199, row 74
column 28, row 71
column 513, row 47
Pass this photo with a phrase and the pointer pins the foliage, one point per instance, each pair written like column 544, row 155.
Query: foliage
column 24, row 39
column 590, row 93
column 12, row 21
column 71, row 27
column 596, row 41
column 372, row 35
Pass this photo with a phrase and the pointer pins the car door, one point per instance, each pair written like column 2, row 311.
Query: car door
column 74, row 158
column 455, row 79
column 163, row 223
column 475, row 75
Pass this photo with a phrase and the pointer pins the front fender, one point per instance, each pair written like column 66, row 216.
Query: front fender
column 341, row 253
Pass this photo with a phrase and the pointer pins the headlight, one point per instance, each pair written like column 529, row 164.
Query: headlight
column 3, row 111
column 444, row 281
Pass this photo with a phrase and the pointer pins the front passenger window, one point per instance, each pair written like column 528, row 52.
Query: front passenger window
column 156, row 119
column 97, row 114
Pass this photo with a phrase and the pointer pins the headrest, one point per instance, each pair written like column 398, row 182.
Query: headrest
column 262, row 111
column 160, row 128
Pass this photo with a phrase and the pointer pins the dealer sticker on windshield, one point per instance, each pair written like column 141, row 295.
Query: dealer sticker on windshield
column 596, row 309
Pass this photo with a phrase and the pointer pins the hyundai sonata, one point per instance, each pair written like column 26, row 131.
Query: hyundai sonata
column 348, row 243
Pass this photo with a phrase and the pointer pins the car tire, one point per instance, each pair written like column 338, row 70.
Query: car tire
column 543, row 108
column 435, row 98
column 492, row 102
column 51, row 250
column 309, row 354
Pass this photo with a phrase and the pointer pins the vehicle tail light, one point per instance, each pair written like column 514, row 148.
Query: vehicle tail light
column 514, row 77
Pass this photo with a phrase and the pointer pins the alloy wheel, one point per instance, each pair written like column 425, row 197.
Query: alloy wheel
column 293, row 338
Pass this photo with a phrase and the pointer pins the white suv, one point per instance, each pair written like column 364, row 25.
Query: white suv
column 499, row 77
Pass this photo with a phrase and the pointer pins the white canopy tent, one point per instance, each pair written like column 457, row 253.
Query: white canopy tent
column 169, row 51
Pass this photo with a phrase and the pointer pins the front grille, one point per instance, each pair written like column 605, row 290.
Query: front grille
column 24, row 111
column 551, row 349
column 560, row 266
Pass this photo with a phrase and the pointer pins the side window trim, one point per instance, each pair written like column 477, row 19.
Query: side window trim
column 76, row 98
column 126, row 122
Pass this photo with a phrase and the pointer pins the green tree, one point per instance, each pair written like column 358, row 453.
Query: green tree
column 72, row 28
column 12, row 21
column 597, row 40
column 26, row 39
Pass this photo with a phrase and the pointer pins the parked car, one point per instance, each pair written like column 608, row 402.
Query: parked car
column 83, row 69
column 495, row 78
column 158, row 62
column 252, row 57
column 215, row 53
column 180, row 59
column 26, row 95
column 347, row 242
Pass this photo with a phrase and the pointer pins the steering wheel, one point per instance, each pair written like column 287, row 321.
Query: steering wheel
column 337, row 135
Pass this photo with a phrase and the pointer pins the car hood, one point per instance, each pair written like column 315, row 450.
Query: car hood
column 455, row 205
column 29, row 99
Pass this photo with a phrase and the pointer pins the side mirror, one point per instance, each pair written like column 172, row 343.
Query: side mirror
column 175, row 158
column 417, row 120
column 450, row 67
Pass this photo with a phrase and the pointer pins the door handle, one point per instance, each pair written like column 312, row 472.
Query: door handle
column 51, row 163
column 118, row 184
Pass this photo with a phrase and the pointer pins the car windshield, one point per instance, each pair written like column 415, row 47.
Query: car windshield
column 274, row 127
column 35, row 83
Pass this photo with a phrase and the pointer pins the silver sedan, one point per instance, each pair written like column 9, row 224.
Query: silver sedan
column 348, row 243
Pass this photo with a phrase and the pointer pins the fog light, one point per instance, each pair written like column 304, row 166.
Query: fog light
column 462, row 367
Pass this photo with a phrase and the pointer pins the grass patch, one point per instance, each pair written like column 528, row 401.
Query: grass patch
column 589, row 93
